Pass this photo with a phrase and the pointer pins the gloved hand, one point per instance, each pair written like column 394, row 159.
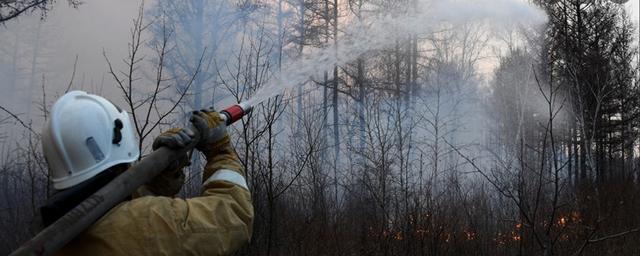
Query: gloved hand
column 170, row 181
column 215, row 143
column 213, row 131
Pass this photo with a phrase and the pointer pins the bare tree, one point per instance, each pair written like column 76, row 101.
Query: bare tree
column 144, row 103
column 10, row 9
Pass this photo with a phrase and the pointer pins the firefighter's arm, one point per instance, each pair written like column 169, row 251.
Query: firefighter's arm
column 225, row 186
column 224, row 210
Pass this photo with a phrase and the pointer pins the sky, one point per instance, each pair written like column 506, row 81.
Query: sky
column 85, row 32
column 633, row 5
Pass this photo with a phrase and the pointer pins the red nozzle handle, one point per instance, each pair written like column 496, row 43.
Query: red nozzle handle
column 232, row 114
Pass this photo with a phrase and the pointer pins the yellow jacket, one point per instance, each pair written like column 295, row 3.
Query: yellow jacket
column 218, row 222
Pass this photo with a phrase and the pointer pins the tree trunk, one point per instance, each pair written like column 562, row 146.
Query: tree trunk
column 336, row 82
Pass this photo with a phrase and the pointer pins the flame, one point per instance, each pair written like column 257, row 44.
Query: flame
column 562, row 221
column 470, row 235
column 398, row 236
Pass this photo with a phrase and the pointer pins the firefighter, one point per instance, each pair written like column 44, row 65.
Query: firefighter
column 88, row 141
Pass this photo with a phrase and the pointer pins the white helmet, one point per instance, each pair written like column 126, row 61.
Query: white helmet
column 86, row 135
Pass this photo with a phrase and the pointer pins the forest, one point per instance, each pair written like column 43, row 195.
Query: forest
column 380, row 127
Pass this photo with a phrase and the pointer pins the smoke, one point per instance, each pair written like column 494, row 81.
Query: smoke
column 377, row 31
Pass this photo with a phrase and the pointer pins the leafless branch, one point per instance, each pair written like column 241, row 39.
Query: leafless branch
column 28, row 127
column 73, row 75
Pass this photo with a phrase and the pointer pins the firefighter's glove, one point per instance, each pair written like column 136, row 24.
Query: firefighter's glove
column 212, row 130
column 215, row 143
column 170, row 181
column 175, row 138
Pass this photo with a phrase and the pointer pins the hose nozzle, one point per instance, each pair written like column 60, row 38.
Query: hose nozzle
column 234, row 113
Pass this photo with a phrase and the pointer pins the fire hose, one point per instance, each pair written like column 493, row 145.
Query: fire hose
column 61, row 232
